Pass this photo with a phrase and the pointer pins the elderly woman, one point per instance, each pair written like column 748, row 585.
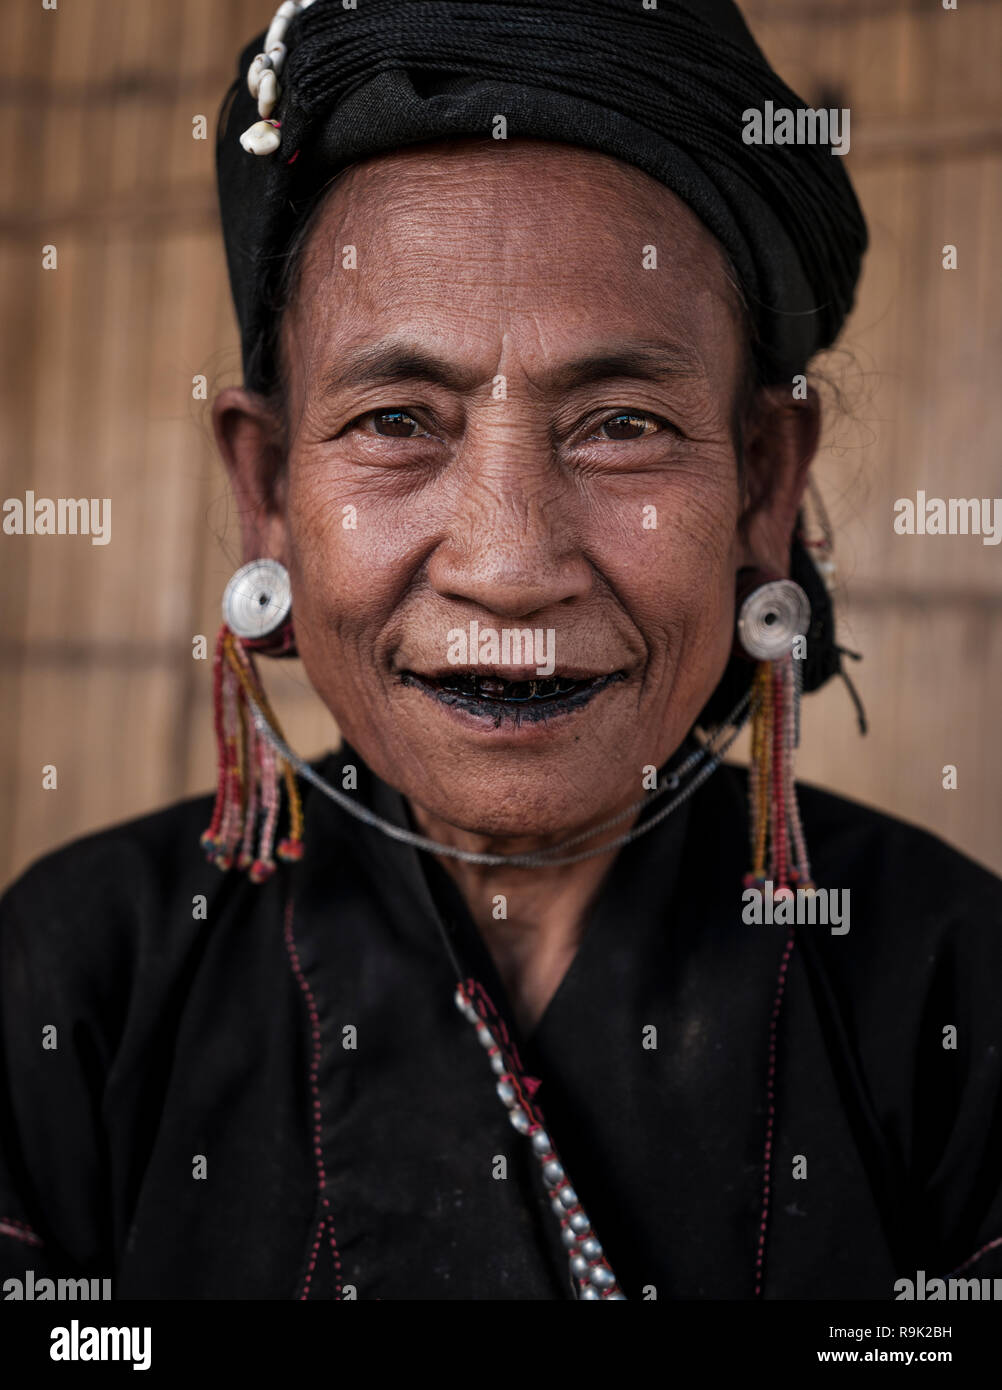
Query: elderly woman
column 531, row 996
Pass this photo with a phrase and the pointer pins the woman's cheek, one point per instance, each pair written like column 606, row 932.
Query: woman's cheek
column 677, row 553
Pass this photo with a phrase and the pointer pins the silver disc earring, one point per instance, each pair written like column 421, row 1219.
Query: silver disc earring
column 258, row 600
column 770, row 616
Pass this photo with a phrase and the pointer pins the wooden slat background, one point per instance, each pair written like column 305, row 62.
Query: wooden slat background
column 96, row 400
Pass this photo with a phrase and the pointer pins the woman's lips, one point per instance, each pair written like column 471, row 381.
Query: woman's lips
column 489, row 696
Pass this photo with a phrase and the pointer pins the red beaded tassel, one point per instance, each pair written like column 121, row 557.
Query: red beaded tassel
column 778, row 848
column 248, row 793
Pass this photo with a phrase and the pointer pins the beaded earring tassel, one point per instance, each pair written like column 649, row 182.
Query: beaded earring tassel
column 248, row 795
column 773, row 613
column 778, row 847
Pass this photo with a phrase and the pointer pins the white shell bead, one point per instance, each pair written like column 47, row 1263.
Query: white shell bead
column 287, row 10
column 254, row 72
column 278, row 53
column 261, row 138
column 268, row 93
column 276, row 33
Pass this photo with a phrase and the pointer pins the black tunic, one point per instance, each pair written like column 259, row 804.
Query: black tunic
column 223, row 1045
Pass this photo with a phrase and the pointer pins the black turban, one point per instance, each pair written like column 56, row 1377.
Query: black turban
column 664, row 89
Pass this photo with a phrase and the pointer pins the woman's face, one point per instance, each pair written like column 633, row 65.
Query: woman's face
column 514, row 376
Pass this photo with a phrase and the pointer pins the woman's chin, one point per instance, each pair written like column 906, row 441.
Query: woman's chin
column 511, row 777
column 512, row 807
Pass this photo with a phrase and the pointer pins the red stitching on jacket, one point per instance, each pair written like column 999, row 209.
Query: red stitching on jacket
column 992, row 1245
column 518, row 1077
column 19, row 1230
column 509, row 1042
column 770, row 1103
column 311, row 1008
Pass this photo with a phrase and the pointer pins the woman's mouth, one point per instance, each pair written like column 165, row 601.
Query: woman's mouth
column 490, row 696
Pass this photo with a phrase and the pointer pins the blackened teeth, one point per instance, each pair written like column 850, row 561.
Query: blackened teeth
column 494, row 689
column 504, row 700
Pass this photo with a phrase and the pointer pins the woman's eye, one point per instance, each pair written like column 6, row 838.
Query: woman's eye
column 394, row 424
column 627, row 425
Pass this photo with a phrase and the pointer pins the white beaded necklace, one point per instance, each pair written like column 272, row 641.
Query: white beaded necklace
column 263, row 136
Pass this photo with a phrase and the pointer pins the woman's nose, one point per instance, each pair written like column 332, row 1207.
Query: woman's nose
column 513, row 545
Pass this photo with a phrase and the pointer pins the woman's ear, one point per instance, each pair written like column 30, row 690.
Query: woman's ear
column 249, row 438
column 780, row 440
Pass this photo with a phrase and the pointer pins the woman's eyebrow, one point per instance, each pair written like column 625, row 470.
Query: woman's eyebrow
column 645, row 361
column 387, row 363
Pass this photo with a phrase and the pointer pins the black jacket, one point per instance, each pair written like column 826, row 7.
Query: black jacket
column 205, row 1127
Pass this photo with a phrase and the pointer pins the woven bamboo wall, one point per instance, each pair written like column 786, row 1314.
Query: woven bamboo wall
column 100, row 354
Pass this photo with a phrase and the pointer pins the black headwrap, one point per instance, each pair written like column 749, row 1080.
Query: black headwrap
column 664, row 89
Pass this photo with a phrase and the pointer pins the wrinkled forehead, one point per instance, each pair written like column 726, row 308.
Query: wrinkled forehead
column 501, row 235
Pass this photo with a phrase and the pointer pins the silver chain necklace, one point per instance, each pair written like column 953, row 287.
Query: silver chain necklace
column 700, row 764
